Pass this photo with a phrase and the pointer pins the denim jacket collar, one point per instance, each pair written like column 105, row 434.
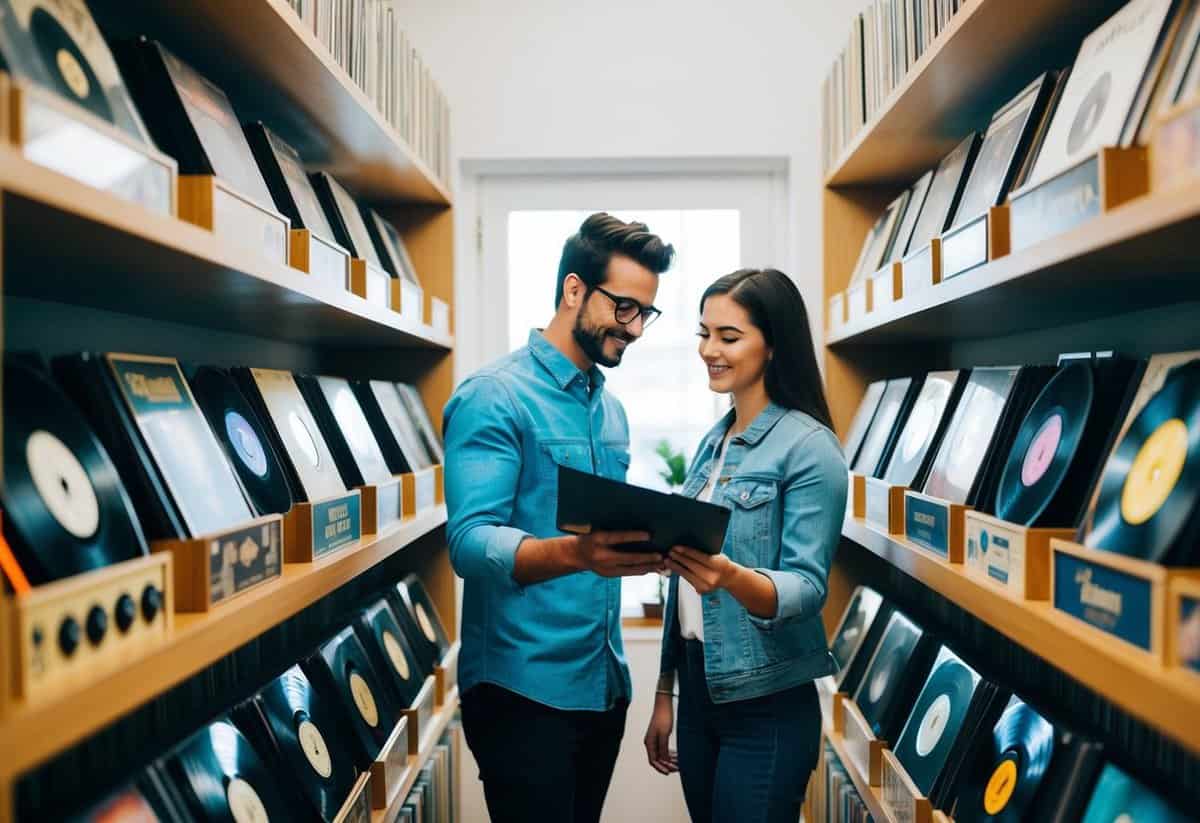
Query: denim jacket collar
column 757, row 430
column 559, row 365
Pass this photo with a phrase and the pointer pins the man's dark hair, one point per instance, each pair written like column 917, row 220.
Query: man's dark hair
column 587, row 252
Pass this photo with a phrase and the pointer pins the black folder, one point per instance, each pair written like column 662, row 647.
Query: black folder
column 588, row 502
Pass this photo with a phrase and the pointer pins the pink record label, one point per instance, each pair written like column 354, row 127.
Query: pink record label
column 1042, row 450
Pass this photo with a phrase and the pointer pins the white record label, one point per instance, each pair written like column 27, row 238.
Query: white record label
column 304, row 439
column 63, row 484
column 314, row 748
column 933, row 725
column 396, row 655
column 364, row 700
column 426, row 626
column 879, row 684
column 244, row 803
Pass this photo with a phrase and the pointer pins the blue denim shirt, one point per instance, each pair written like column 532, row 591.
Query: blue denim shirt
column 784, row 479
column 507, row 429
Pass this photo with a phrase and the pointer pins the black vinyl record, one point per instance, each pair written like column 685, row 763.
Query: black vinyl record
column 224, row 779
column 391, row 652
column 862, row 421
column 66, row 510
column 72, row 73
column 344, row 426
column 860, row 612
column 1148, row 493
column 1045, row 445
column 431, row 631
column 885, row 427
column 882, row 687
column 308, row 732
column 345, row 218
column 925, row 424
column 1119, row 798
column 1007, row 768
column 936, row 720
column 244, row 438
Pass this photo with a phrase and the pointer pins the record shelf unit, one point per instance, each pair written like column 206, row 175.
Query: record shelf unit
column 83, row 270
column 1124, row 281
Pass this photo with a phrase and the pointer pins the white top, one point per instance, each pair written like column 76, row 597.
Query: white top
column 691, row 613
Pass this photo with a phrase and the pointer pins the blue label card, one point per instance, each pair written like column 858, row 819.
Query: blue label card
column 240, row 559
column 336, row 523
column 965, row 248
column 928, row 524
column 1188, row 634
column 1057, row 205
column 1114, row 602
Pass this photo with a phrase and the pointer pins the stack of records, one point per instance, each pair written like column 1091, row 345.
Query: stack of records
column 291, row 190
column 881, row 240
column 862, row 421
column 390, row 246
column 430, row 641
column 345, row 218
column 857, row 636
column 393, row 425
column 387, row 644
column 923, row 430
column 346, row 430
column 894, row 674
column 945, row 191
column 897, row 400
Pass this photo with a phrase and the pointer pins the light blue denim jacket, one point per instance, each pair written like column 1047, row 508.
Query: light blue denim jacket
column 507, row 429
column 784, row 479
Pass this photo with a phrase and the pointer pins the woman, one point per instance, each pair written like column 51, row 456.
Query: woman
column 743, row 634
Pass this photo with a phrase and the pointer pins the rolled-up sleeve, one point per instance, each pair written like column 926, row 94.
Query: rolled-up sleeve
column 483, row 469
column 814, row 505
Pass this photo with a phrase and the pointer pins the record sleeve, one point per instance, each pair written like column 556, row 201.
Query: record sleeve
column 938, row 211
column 346, row 430
column 969, row 435
column 291, row 190
column 390, row 246
column 224, row 780
column 924, row 427
column 191, row 119
column 1007, row 767
column 885, row 428
column 862, row 421
column 130, row 804
column 412, row 593
column 394, row 429
column 894, row 674
column 387, row 644
column 66, row 510
column 1164, row 73
column 1118, row 798
column 57, row 45
column 416, row 411
column 1185, row 80
column 912, row 210
column 858, row 636
column 876, row 249
column 244, row 438
column 937, row 718
column 344, row 216
column 1097, row 103
column 305, row 455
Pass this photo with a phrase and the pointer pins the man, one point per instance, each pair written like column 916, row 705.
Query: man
column 543, row 673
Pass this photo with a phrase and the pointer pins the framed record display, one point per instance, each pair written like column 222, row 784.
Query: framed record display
column 889, row 418
column 56, row 44
column 191, row 119
column 862, row 420
column 388, row 646
column 1118, row 797
column 290, row 188
column 1097, row 106
column 969, row 435
column 65, row 508
column 346, row 430
column 925, row 424
column 1007, row 767
column 912, row 210
column 416, row 410
column 344, row 216
column 877, row 247
column 941, row 202
column 390, row 246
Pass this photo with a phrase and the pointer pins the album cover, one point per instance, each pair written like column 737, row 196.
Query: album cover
column 348, row 227
column 394, row 429
column 306, row 458
column 924, row 427
column 862, row 421
column 1118, row 798
column 1168, row 67
column 912, row 210
column 876, row 249
column 941, row 201
column 894, row 674
column 191, row 119
column 416, row 411
column 66, row 510
column 387, row 644
column 967, row 439
column 291, row 190
column 1184, row 80
column 1004, row 145
column 1097, row 104
column 857, row 636
column 345, row 429
column 898, row 397
column 390, row 246
column 57, row 45
column 149, row 798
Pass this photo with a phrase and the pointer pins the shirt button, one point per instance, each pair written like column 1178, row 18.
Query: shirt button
column 745, row 495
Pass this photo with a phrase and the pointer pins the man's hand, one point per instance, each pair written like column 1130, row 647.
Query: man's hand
column 594, row 552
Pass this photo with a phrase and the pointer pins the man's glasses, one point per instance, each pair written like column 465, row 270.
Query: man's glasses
column 625, row 309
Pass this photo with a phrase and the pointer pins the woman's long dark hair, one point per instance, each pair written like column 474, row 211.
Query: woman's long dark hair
column 775, row 306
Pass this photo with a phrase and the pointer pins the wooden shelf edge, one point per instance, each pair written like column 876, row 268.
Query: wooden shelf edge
column 1098, row 664
column 871, row 796
column 31, row 735
column 440, row 722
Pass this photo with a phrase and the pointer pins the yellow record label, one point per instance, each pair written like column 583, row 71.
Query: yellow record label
column 244, row 803
column 364, row 700
column 314, row 748
column 426, row 626
column 1154, row 472
column 1000, row 788
column 73, row 74
column 396, row 655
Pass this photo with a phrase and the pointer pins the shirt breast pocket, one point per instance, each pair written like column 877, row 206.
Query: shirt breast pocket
column 572, row 453
column 752, row 502
column 616, row 454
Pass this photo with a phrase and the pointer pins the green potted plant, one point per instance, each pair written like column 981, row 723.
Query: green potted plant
column 673, row 473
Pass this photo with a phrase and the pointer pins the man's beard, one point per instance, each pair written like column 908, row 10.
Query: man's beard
column 591, row 341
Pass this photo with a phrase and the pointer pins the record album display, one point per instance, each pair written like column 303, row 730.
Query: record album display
column 1007, row 767
column 938, row 211
column 876, row 249
column 191, row 119
column 387, row 644
column 224, row 780
column 1097, row 105
column 344, row 216
column 966, row 442
column 416, row 412
column 394, row 428
column 937, row 718
column 244, row 438
column 56, row 44
column 303, row 451
column 415, row 598
column 290, row 188
column 1119, row 798
column 860, row 613
column 1146, row 500
column 925, row 424
column 892, row 676
column 65, row 508
column 912, row 210
column 390, row 246
column 862, row 421
column 346, row 430
column 885, row 426
column 307, row 728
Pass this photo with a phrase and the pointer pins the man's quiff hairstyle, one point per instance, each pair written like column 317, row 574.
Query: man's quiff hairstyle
column 587, row 252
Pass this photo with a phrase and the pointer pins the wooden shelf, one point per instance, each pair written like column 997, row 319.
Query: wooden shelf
column 438, row 726
column 1153, row 693
column 277, row 71
column 1137, row 256
column 872, row 796
column 989, row 52
column 30, row 735
column 69, row 243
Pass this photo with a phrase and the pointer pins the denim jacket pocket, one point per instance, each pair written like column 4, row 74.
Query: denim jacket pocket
column 749, row 537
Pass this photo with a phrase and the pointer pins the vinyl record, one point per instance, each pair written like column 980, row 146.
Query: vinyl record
column 921, row 428
column 71, row 71
column 1151, row 483
column 225, row 779
column 936, row 720
column 887, row 418
column 416, row 410
column 400, row 424
column 1007, row 768
column 1045, row 445
column 390, row 246
column 291, row 190
column 308, row 732
column 416, row 599
column 345, row 218
column 66, row 511
column 969, row 435
column 862, row 421
column 244, row 439
column 342, row 664
column 1118, row 798
column 387, row 644
column 863, row 606
column 356, row 431
column 881, row 681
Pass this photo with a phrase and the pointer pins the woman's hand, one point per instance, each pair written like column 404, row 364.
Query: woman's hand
column 706, row 572
column 658, row 736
